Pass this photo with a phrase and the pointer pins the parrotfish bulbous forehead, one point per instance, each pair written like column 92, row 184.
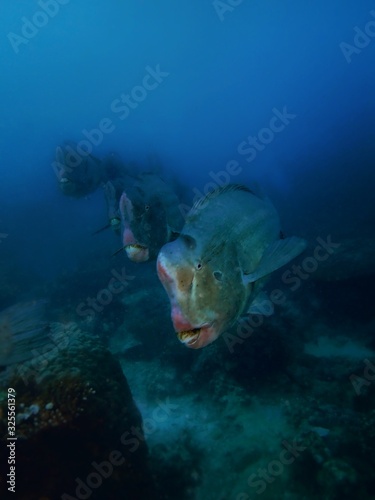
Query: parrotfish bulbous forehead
column 214, row 269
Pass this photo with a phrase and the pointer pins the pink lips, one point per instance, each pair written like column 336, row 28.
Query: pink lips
column 137, row 254
column 135, row 251
column 192, row 336
column 180, row 323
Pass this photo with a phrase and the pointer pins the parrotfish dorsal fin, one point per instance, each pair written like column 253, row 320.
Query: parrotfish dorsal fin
column 199, row 204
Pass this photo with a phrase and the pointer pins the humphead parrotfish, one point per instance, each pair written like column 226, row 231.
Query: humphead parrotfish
column 78, row 175
column 215, row 269
column 150, row 217
column 120, row 176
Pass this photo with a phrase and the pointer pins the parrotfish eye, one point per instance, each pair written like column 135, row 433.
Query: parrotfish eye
column 218, row 275
column 147, row 208
column 199, row 266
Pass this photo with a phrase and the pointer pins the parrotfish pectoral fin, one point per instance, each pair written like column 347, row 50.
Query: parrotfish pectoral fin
column 101, row 229
column 276, row 255
column 118, row 251
column 261, row 305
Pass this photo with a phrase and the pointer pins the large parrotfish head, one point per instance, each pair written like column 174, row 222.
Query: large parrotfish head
column 204, row 285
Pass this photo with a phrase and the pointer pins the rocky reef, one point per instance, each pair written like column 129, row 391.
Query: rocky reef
column 79, row 433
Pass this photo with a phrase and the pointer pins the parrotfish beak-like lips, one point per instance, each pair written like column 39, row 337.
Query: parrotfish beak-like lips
column 66, row 185
column 196, row 338
column 136, row 252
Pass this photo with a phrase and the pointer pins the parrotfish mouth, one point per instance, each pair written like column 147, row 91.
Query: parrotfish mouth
column 135, row 246
column 137, row 252
column 66, row 185
column 64, row 180
column 189, row 337
column 196, row 337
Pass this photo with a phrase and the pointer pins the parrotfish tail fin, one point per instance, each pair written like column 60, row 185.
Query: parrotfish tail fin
column 23, row 332
column 277, row 255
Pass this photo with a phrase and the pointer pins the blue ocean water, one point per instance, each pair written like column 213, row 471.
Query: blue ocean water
column 231, row 91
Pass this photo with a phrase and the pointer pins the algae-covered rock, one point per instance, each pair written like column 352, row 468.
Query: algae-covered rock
column 78, row 429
